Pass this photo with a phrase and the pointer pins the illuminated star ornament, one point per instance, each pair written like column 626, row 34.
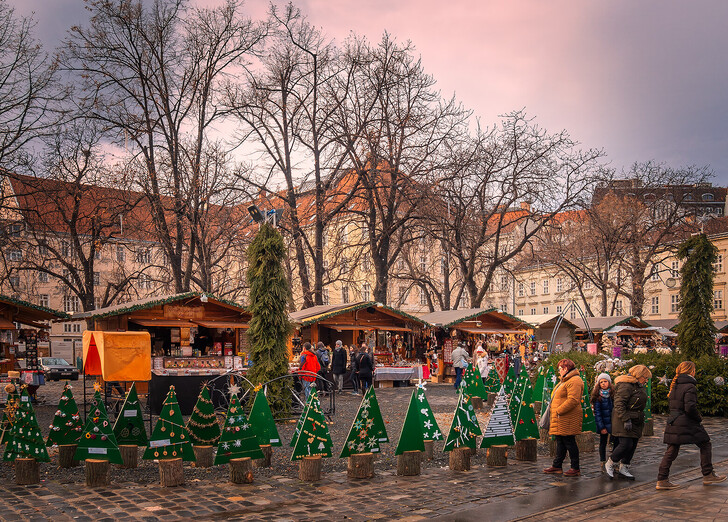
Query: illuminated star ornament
column 421, row 385
column 233, row 390
column 258, row 388
column 664, row 380
column 97, row 386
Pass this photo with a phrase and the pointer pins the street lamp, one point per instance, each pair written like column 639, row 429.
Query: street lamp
column 256, row 214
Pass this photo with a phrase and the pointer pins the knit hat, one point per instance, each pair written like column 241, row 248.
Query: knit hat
column 604, row 376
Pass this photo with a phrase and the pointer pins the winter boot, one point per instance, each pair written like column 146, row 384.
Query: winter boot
column 624, row 472
column 602, row 463
column 666, row 484
column 713, row 479
column 609, row 468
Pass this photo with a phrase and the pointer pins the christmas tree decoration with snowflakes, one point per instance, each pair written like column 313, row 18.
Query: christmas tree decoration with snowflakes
column 98, row 440
column 11, row 405
column 464, row 427
column 367, row 431
column 411, row 437
column 238, row 439
column 314, row 439
column 297, row 430
column 538, row 387
column 429, row 426
column 129, row 428
column 587, row 421
column 474, row 383
column 525, row 426
column 170, row 439
column 67, row 425
column 262, row 421
column 499, row 429
column 202, row 425
column 25, row 439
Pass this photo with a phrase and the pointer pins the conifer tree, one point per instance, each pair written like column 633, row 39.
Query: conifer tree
column 67, row 425
column 538, row 387
column 587, row 421
column 696, row 329
column 11, row 405
column 269, row 327
column 525, row 425
column 314, row 438
column 464, row 427
column 499, row 429
column 262, row 421
column 411, row 437
column 129, row 428
column 474, row 383
column 430, row 428
column 97, row 440
column 238, row 438
column 648, row 406
column 170, row 439
column 367, row 431
column 492, row 382
column 26, row 440
column 202, row 425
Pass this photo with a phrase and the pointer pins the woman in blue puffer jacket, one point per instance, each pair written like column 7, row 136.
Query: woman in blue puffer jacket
column 602, row 398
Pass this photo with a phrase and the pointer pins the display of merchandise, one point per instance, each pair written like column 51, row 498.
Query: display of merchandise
column 129, row 428
column 67, row 425
column 170, row 439
column 11, row 404
column 202, row 426
column 98, row 440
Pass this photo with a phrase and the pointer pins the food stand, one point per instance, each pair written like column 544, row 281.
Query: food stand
column 390, row 334
column 193, row 338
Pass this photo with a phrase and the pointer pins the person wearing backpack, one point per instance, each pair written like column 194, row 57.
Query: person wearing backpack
column 366, row 369
column 308, row 362
column 322, row 354
column 338, row 365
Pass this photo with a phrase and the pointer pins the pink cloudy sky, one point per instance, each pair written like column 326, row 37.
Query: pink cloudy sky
column 642, row 79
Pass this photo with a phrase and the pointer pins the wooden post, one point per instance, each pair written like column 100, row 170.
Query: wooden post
column 477, row 403
column 585, row 441
column 203, row 456
column 171, row 472
column 460, row 459
column 267, row 450
column 552, row 447
column 130, row 456
column 429, row 449
column 97, row 473
column 649, row 429
column 241, row 471
column 360, row 465
column 526, row 449
column 497, row 456
column 537, row 407
column 309, row 469
column 491, row 398
column 474, row 451
column 65, row 456
column 26, row 471
column 408, row 463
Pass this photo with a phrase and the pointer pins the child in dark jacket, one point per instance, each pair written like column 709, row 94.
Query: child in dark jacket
column 602, row 398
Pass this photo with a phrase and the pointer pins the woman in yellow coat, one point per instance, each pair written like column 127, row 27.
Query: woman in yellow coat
column 566, row 417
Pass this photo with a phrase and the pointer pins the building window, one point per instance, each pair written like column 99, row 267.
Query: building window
column 559, row 309
column 42, row 277
column 97, row 279
column 145, row 282
column 656, row 305
column 71, row 303
column 44, row 300
column 366, row 263
column 675, row 269
column 559, row 285
column 144, row 256
column 402, row 294
column 72, row 328
column 366, row 292
column 618, row 307
column 533, row 287
column 443, row 266
column 344, row 264
column 573, row 314
column 520, row 312
column 14, row 281
column 533, row 311
column 423, row 264
column 718, row 299
column 120, row 254
column 325, row 295
column 15, row 229
column 520, row 289
column 463, row 301
column 15, row 255
column 400, row 264
column 718, row 265
column 545, row 310
column 504, row 282
column 65, row 249
column 42, row 251
column 423, row 297
column 344, row 294
column 587, row 284
column 675, row 303
column 655, row 276
column 97, row 302
column 545, row 286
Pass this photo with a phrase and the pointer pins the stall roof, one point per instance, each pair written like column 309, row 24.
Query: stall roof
column 27, row 313
column 540, row 320
column 451, row 318
column 722, row 326
column 669, row 324
column 317, row 314
column 629, row 330
column 599, row 324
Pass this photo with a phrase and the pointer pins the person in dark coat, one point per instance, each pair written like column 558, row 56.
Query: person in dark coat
column 354, row 365
column 366, row 369
column 628, row 418
column 338, row 365
column 684, row 426
column 602, row 399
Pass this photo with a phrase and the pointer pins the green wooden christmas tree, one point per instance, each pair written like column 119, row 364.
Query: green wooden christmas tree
column 474, row 383
column 587, row 421
column 367, row 431
column 648, row 406
column 464, row 428
column 525, row 426
column 26, row 440
column 202, row 425
column 67, row 425
column 11, row 405
column 238, row 438
column 549, row 383
column 499, row 429
column 302, row 418
column 314, row 438
column 430, row 428
column 262, row 421
column 492, row 382
column 170, row 439
column 98, row 440
column 129, row 428
column 510, row 381
column 516, row 397
column 411, row 438
column 538, row 387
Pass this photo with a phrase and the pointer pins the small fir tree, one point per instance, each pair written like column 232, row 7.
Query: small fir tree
column 11, row 405
column 202, row 425
column 510, row 382
column 26, row 440
column 238, row 439
column 492, row 382
column 262, row 421
column 67, row 425
column 129, row 428
column 302, row 418
column 538, row 387
column 98, row 440
column 464, row 427
column 270, row 327
column 367, row 431
column 525, row 426
column 314, row 438
column 499, row 429
column 696, row 329
column 411, row 437
column 648, row 406
column 549, row 383
column 170, row 439
column 474, row 383
column 430, row 428
column 587, row 420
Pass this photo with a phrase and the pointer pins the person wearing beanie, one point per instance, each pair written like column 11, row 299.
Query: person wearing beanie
column 602, row 399
column 628, row 418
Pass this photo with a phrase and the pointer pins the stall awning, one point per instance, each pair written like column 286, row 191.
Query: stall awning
column 342, row 327
column 391, row 328
column 169, row 323
column 222, row 324
column 6, row 325
column 489, row 330
column 118, row 356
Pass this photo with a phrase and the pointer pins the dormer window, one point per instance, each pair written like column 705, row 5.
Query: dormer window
column 708, row 197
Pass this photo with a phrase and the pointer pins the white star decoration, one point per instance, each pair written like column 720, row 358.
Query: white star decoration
column 233, row 390
column 428, row 424
column 421, row 397
column 436, row 435
column 237, row 443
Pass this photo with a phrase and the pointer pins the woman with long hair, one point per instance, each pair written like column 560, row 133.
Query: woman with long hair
column 566, row 414
column 684, row 426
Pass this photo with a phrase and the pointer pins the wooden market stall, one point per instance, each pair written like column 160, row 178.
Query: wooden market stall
column 600, row 326
column 193, row 337
column 394, row 337
column 543, row 331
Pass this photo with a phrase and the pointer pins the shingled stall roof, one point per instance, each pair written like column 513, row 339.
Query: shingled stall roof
column 17, row 311
column 547, row 320
column 332, row 316
column 478, row 320
column 600, row 324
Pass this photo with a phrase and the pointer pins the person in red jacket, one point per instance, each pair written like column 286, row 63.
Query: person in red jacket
column 308, row 363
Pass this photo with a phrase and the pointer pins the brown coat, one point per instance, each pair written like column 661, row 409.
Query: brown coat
column 630, row 399
column 566, row 410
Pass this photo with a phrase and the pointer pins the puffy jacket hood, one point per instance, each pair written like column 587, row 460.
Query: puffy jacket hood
column 573, row 373
column 626, row 378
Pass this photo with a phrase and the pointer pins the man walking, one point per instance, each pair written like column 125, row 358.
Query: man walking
column 459, row 362
column 338, row 365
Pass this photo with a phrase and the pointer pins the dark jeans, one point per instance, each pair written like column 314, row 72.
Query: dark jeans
column 458, row 377
column 706, row 459
column 566, row 443
column 603, row 440
column 624, row 451
column 365, row 381
column 355, row 380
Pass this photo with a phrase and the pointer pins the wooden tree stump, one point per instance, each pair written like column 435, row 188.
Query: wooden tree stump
column 537, row 407
column 203, row 456
column 408, row 463
column 267, row 450
column 460, row 459
column 585, row 441
column 241, row 470
column 477, row 403
column 649, row 429
column 65, row 456
column 171, row 472
column 27, row 471
column 544, row 435
column 526, row 449
column 497, row 456
column 130, row 456
column 360, row 465
column 309, row 469
column 429, row 449
column 97, row 473
column 474, row 451
column 552, row 447
column 491, row 398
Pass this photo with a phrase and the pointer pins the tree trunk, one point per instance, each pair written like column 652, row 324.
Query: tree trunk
column 585, row 441
column 171, row 472
column 429, row 449
column 526, row 449
column 267, row 450
column 491, row 398
column 203, row 456
column 309, row 469
column 65, row 456
column 537, row 407
column 477, row 403
column 649, row 429
column 97, row 473
column 497, row 456
column 27, row 471
column 241, row 470
column 361, row 465
column 130, row 456
column 460, row 459
column 408, row 463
